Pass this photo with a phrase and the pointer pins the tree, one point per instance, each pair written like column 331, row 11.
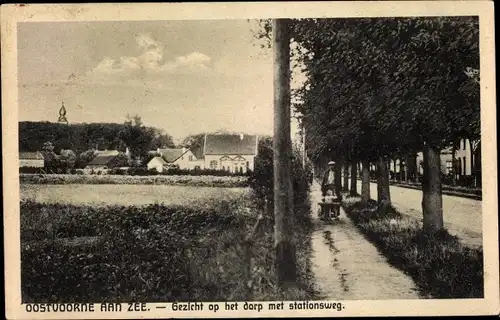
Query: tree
column 393, row 93
column 67, row 159
column 137, row 137
column 84, row 158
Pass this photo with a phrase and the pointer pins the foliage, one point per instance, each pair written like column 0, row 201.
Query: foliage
column 149, row 253
column 186, row 180
column 392, row 90
column 438, row 263
column 80, row 136
column 85, row 158
column 137, row 137
column 261, row 179
column 67, row 159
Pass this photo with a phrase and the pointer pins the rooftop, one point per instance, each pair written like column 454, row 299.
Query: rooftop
column 230, row 144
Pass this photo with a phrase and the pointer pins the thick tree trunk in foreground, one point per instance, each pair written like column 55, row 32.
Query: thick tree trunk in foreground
column 283, row 204
column 354, row 179
column 345, row 185
column 383, row 191
column 365, row 182
column 432, row 201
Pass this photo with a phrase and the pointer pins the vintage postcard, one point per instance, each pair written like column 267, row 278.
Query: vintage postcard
column 278, row 159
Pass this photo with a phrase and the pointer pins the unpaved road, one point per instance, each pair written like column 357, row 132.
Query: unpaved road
column 462, row 216
column 348, row 267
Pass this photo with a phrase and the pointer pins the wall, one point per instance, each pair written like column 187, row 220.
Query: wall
column 232, row 164
column 184, row 163
column 155, row 164
column 464, row 152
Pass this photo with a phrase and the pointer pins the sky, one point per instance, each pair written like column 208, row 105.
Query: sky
column 181, row 76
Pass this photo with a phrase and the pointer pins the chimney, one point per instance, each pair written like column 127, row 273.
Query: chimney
column 158, row 150
column 183, row 150
column 127, row 151
column 241, row 136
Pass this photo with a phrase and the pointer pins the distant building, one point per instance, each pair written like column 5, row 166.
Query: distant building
column 31, row 159
column 182, row 157
column 230, row 152
column 157, row 163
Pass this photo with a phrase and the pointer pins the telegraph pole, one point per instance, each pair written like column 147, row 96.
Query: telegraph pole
column 282, row 145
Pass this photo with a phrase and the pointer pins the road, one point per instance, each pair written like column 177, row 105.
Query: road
column 347, row 266
column 462, row 216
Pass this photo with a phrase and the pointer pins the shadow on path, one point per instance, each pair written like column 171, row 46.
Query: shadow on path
column 348, row 267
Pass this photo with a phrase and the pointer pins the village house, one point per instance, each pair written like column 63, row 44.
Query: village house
column 31, row 159
column 230, row 152
column 183, row 158
column 104, row 160
column 157, row 163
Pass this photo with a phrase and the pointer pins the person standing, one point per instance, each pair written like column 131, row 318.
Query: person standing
column 328, row 182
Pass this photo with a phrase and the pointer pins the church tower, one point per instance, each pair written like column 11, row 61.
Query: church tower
column 62, row 114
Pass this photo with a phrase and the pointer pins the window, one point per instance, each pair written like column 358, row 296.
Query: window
column 190, row 158
column 241, row 169
column 213, row 164
column 449, row 167
column 464, row 166
column 223, row 168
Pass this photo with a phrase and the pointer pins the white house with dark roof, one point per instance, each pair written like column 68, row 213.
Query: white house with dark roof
column 181, row 157
column 230, row 152
column 157, row 163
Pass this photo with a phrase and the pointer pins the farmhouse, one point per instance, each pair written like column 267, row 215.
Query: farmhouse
column 157, row 163
column 101, row 162
column 230, row 152
column 181, row 157
column 31, row 159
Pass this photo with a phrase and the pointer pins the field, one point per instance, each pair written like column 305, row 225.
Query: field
column 124, row 194
column 195, row 181
column 145, row 242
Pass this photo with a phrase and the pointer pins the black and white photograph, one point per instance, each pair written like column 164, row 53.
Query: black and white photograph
column 280, row 165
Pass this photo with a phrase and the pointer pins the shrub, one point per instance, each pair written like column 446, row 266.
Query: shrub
column 439, row 264
column 261, row 179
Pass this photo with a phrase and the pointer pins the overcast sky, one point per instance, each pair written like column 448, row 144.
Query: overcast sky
column 182, row 76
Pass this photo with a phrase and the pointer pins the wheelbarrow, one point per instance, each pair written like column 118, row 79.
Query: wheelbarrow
column 329, row 211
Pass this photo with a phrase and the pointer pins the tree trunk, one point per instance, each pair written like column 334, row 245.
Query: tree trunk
column 283, row 205
column 365, row 182
column 354, row 179
column 412, row 168
column 383, row 191
column 454, row 163
column 345, row 185
column 477, row 165
column 338, row 178
column 432, row 202
column 471, row 158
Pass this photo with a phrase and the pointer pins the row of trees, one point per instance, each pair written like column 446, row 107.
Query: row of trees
column 80, row 137
column 386, row 88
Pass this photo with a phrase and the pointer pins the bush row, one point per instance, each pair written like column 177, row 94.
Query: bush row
column 200, row 181
column 261, row 179
column 143, row 171
column 439, row 264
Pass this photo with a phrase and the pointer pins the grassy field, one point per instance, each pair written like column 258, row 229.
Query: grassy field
column 118, row 243
column 123, row 194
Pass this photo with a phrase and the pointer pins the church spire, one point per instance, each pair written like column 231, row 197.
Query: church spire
column 62, row 114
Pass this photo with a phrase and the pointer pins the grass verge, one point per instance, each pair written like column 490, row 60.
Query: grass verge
column 439, row 264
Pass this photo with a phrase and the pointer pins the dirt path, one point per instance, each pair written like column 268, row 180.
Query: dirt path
column 348, row 267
